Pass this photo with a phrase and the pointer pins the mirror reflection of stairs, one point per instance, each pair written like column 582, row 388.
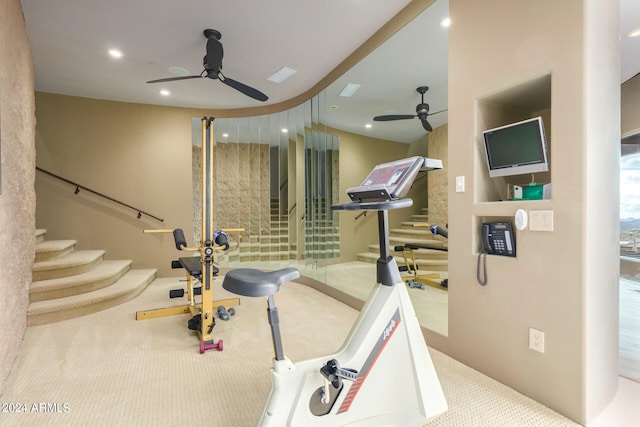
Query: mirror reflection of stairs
column 279, row 243
column 428, row 260
column 69, row 283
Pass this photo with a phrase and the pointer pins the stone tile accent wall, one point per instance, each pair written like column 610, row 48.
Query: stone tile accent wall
column 438, row 182
column 241, row 188
column 17, row 172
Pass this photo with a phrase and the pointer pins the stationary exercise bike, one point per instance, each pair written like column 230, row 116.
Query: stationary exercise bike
column 383, row 373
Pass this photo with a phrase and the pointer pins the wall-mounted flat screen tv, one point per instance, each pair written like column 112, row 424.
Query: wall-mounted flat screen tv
column 517, row 148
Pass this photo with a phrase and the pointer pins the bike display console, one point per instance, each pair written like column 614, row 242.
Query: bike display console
column 392, row 180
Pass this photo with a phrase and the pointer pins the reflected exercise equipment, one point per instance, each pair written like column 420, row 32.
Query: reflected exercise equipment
column 411, row 265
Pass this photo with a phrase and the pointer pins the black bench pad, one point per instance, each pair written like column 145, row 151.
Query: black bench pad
column 193, row 265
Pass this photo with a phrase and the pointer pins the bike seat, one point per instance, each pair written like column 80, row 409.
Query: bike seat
column 250, row 282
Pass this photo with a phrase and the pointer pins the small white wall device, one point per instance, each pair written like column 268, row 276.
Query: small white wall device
column 521, row 219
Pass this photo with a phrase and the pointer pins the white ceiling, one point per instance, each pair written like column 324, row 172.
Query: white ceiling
column 70, row 40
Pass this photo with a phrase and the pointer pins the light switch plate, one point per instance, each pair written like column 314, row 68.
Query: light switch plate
column 541, row 220
column 459, row 184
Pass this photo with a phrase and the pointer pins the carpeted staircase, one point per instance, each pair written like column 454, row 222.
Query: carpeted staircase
column 428, row 260
column 69, row 283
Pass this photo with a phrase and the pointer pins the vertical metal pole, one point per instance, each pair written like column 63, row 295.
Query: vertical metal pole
column 383, row 235
column 204, row 121
column 386, row 268
column 274, row 321
column 207, row 244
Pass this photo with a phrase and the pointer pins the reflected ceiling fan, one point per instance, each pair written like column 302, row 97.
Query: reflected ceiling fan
column 422, row 112
column 212, row 63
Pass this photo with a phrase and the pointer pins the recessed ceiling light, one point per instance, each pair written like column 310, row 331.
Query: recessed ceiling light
column 165, row 92
column 285, row 130
column 446, row 22
column 179, row 71
column 225, row 135
column 115, row 53
column 349, row 90
column 634, row 33
column 281, row 75
column 333, row 107
column 368, row 125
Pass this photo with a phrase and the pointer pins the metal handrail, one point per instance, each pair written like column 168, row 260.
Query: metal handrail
column 82, row 187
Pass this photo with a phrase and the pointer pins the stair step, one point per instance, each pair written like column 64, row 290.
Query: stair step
column 274, row 239
column 411, row 232
column 40, row 232
column 401, row 240
column 420, row 218
column 52, row 249
column 124, row 289
column 416, row 225
column 424, row 265
column 76, row 262
column 106, row 273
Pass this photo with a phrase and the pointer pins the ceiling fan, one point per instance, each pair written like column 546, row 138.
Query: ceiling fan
column 422, row 112
column 212, row 63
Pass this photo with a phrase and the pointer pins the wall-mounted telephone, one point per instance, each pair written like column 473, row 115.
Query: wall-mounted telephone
column 498, row 238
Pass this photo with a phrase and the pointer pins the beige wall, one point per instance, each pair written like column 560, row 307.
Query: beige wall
column 17, row 197
column 564, row 282
column 138, row 154
column 142, row 155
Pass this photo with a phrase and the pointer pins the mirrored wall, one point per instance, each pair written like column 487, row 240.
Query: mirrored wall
column 276, row 177
column 278, row 174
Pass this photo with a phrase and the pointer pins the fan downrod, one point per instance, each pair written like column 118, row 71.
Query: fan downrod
column 213, row 33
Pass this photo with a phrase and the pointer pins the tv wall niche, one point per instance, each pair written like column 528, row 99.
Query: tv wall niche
column 525, row 100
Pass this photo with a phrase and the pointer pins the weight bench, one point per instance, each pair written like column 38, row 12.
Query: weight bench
column 411, row 266
column 193, row 267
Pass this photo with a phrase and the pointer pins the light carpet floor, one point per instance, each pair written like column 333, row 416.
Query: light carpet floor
column 107, row 369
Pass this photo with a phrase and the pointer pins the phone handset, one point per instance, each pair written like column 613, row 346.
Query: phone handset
column 498, row 238
column 486, row 244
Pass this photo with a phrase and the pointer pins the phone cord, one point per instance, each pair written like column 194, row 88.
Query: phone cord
column 481, row 275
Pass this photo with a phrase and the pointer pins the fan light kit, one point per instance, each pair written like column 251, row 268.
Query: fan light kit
column 422, row 112
column 212, row 63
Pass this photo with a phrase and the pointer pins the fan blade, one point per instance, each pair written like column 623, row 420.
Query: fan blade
column 441, row 111
column 241, row 87
column 172, row 79
column 393, row 117
column 426, row 125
